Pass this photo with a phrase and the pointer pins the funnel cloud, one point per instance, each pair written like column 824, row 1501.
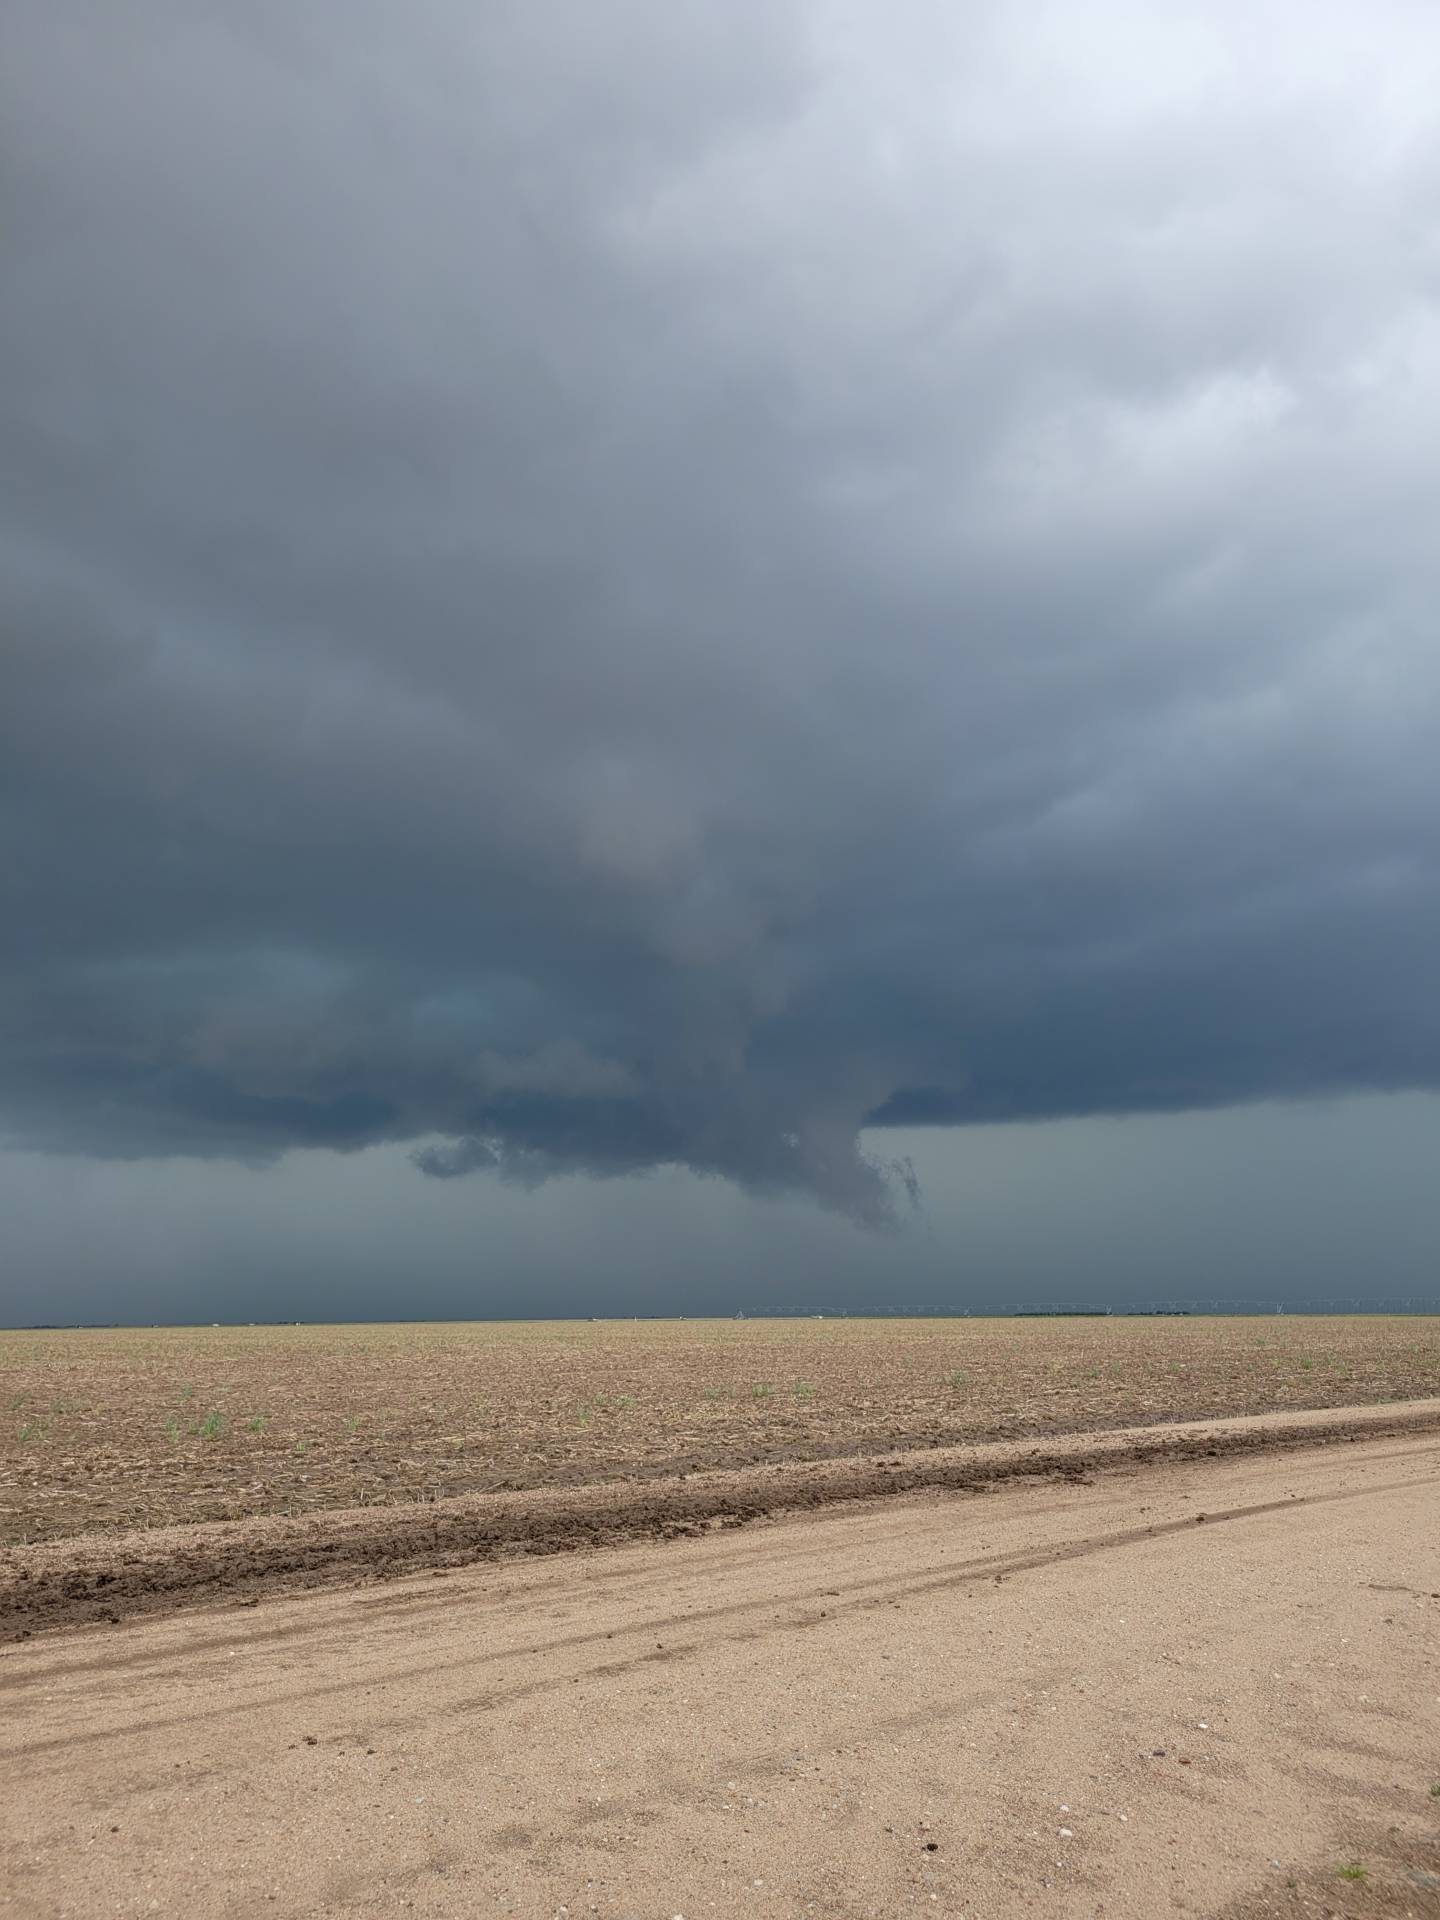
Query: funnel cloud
column 587, row 590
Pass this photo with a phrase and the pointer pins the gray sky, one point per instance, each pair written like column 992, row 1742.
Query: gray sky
column 631, row 592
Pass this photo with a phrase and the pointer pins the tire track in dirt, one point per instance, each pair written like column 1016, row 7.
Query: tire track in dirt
column 857, row 1596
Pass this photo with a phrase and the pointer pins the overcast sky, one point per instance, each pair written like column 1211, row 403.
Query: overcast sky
column 595, row 600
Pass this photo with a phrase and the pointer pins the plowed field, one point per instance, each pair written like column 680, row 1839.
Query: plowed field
column 122, row 1428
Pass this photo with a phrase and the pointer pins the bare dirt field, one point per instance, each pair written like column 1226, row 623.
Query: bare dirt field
column 112, row 1429
column 1200, row 1686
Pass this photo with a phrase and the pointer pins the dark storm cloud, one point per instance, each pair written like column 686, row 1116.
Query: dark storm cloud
column 590, row 588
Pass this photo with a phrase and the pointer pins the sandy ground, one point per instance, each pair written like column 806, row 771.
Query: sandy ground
column 1051, row 1697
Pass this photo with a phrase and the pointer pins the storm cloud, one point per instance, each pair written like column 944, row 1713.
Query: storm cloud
column 596, row 588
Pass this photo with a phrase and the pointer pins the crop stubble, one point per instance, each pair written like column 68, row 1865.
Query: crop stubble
column 115, row 1428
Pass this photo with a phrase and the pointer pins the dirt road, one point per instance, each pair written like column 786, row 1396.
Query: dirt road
column 1063, row 1699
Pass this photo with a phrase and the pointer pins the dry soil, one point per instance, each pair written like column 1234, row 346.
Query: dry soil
column 1204, row 1685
